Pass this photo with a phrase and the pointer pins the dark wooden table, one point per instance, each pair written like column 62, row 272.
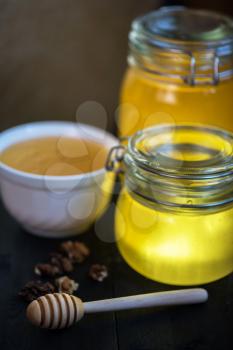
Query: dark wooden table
column 200, row 327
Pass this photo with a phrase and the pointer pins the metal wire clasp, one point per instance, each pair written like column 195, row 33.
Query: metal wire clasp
column 114, row 159
column 193, row 67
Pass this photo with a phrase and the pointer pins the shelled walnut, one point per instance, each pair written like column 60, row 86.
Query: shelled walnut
column 35, row 289
column 98, row 272
column 62, row 262
column 77, row 252
column 66, row 285
column 47, row 270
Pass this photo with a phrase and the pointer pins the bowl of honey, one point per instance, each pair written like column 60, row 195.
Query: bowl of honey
column 53, row 178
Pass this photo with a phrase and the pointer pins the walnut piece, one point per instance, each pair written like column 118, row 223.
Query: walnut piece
column 57, row 266
column 47, row 270
column 35, row 289
column 98, row 272
column 76, row 251
column 63, row 263
column 66, row 285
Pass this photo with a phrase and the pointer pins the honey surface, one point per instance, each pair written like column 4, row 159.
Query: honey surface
column 55, row 156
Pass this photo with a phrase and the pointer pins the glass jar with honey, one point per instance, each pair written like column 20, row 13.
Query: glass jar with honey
column 180, row 70
column 174, row 215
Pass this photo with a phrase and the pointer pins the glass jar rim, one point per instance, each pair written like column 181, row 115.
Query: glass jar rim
column 191, row 150
column 186, row 46
column 178, row 27
column 187, row 166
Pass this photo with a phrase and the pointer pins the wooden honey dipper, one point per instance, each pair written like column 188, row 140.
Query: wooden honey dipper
column 60, row 310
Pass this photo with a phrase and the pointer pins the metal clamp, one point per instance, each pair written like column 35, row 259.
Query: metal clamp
column 115, row 157
column 216, row 76
column 193, row 65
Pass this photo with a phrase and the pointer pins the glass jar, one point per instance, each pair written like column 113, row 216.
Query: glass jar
column 180, row 70
column 174, row 215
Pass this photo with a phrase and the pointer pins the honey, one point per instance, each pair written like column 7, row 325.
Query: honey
column 174, row 217
column 55, row 156
column 174, row 248
column 147, row 102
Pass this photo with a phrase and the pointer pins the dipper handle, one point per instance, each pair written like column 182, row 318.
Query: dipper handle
column 176, row 297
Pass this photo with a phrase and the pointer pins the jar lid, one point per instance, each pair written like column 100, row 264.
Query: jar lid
column 179, row 26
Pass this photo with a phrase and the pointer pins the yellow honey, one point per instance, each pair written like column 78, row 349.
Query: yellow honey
column 146, row 102
column 174, row 217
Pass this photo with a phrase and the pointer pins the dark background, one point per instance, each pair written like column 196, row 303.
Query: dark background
column 56, row 54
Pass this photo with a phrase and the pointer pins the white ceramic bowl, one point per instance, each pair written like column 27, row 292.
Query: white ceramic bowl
column 55, row 206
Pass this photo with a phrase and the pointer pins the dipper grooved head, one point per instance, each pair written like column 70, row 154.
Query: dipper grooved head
column 55, row 311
